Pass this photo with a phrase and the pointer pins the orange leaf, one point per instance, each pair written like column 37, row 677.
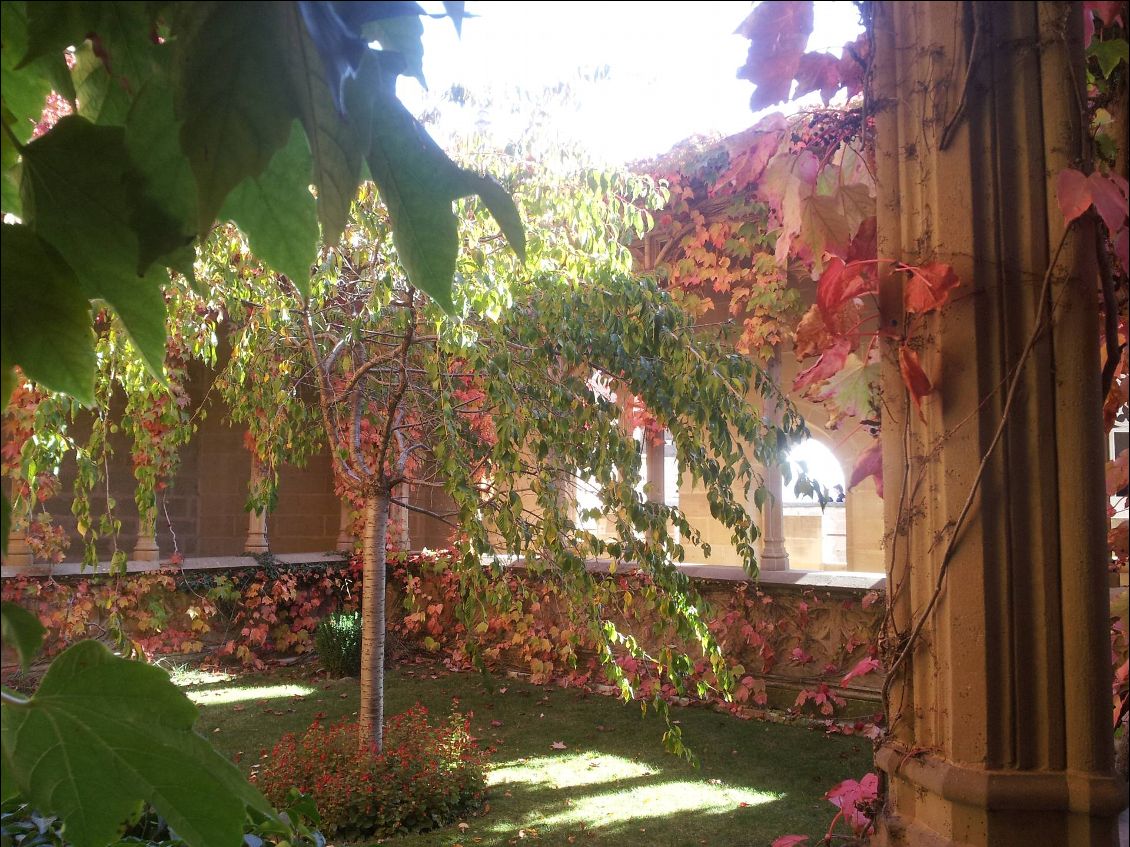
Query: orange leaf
column 928, row 287
column 917, row 383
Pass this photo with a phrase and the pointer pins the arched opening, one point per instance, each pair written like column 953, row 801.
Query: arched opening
column 815, row 537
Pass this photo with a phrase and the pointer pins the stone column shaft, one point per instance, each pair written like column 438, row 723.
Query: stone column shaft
column 1000, row 716
column 256, row 542
column 774, row 556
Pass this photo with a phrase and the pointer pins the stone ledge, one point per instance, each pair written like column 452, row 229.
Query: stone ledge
column 196, row 563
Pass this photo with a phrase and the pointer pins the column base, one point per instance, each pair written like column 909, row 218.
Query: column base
column 944, row 804
column 146, row 550
column 773, row 562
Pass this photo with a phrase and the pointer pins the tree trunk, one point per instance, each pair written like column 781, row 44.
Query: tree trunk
column 371, row 715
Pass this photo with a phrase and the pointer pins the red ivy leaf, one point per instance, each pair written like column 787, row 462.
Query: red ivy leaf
column 865, row 243
column 1108, row 11
column 841, row 282
column 1122, row 247
column 750, row 151
column 830, row 363
column 928, row 287
column 862, row 668
column 778, row 33
column 1109, row 196
column 1073, row 192
column 818, row 72
column 917, row 383
column 869, row 463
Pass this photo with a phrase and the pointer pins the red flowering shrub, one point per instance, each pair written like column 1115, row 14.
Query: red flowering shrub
column 425, row 777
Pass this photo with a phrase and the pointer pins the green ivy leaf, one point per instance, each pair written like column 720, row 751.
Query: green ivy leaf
column 1109, row 54
column 277, row 213
column 19, row 628
column 334, row 146
column 165, row 215
column 101, row 99
column 234, row 101
column 45, row 322
column 103, row 734
column 78, row 189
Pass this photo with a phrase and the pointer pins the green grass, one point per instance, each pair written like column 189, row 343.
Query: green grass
column 612, row 784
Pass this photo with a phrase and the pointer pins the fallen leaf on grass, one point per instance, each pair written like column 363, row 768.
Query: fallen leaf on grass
column 558, row 745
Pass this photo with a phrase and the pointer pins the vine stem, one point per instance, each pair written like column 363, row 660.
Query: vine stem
column 951, row 545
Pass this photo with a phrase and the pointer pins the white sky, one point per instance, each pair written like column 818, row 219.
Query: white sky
column 672, row 65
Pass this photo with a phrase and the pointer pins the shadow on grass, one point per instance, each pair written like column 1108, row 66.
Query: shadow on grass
column 610, row 784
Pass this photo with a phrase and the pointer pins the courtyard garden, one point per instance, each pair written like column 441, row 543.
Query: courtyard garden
column 768, row 490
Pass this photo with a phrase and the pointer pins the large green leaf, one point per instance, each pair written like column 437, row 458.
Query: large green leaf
column 334, row 144
column 233, row 94
column 45, row 321
column 101, row 99
column 402, row 34
column 418, row 183
column 20, row 629
column 276, row 212
column 165, row 214
column 103, row 734
column 79, row 191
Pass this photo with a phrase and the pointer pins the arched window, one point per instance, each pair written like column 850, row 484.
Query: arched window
column 815, row 537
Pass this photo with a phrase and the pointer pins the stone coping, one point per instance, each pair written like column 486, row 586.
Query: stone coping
column 855, row 581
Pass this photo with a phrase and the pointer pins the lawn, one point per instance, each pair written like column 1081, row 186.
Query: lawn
column 611, row 783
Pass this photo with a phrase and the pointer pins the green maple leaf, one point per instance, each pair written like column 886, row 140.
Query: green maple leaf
column 103, row 734
column 38, row 287
column 80, row 193
column 277, row 213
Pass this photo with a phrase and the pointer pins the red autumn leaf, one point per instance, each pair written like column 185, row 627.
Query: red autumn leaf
column 854, row 63
column 1073, row 192
column 818, row 72
column 869, row 463
column 917, row 383
column 829, row 364
column 862, row 668
column 778, row 33
column 928, row 287
column 750, row 151
column 841, row 282
column 864, row 244
column 1109, row 196
column 1108, row 11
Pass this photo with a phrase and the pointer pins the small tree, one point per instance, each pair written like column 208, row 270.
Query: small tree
column 505, row 404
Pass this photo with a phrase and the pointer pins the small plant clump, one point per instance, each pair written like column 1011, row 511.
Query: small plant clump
column 425, row 777
column 338, row 642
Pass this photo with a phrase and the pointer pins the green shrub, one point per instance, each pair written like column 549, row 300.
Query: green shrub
column 338, row 642
column 426, row 776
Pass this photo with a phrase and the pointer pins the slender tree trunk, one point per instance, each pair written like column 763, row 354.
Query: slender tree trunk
column 371, row 715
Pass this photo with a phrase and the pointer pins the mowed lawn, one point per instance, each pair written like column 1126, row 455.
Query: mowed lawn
column 610, row 784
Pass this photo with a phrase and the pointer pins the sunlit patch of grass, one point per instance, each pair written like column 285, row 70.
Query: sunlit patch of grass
column 214, row 696
column 568, row 771
column 186, row 677
column 654, row 800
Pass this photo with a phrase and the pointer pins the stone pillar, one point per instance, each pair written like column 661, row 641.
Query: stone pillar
column 256, row 542
column 146, row 550
column 656, row 478
column 19, row 551
column 346, row 543
column 398, row 525
column 1000, row 712
column 774, row 556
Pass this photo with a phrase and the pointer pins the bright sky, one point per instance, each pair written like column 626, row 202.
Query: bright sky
column 671, row 66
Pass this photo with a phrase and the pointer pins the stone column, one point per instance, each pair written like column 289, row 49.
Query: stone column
column 774, row 556
column 656, row 478
column 1000, row 711
column 398, row 525
column 256, row 542
column 19, row 551
column 346, row 543
column 146, row 550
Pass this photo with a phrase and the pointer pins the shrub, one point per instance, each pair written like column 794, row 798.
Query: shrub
column 338, row 642
column 425, row 777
